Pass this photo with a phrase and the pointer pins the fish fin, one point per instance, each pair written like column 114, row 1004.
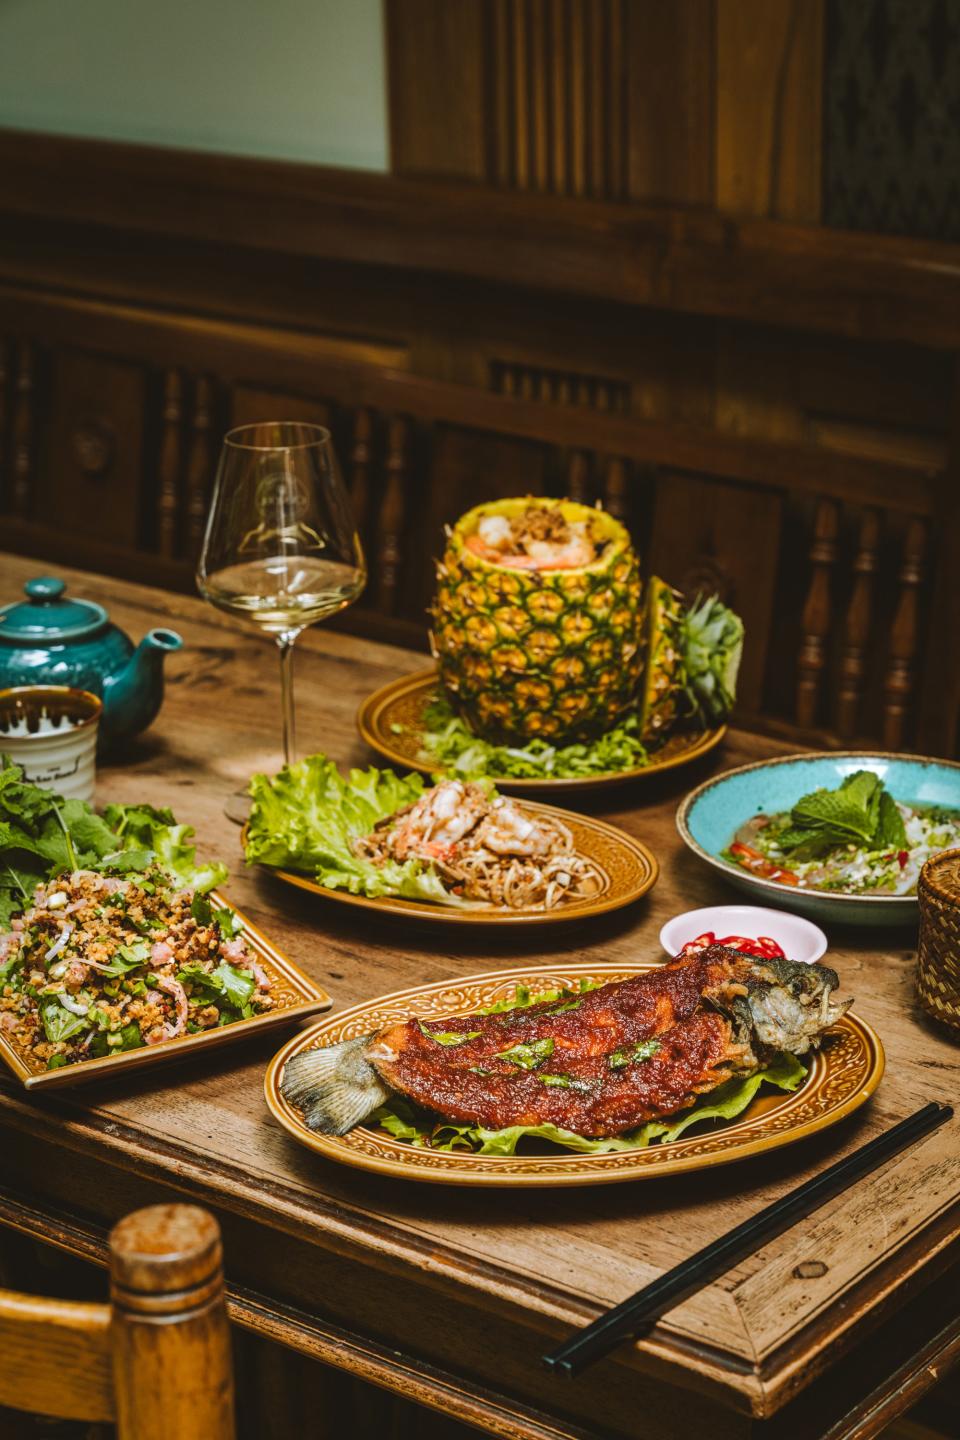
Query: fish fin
column 335, row 1086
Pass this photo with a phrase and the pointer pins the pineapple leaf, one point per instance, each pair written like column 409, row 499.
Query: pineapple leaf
column 712, row 638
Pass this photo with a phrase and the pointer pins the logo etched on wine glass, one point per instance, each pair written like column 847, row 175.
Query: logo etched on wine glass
column 282, row 498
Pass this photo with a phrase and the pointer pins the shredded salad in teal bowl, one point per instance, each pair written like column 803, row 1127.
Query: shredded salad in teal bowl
column 842, row 835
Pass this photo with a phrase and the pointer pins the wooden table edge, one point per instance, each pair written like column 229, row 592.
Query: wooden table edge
column 744, row 1384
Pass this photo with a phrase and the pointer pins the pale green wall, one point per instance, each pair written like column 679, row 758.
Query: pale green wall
column 294, row 79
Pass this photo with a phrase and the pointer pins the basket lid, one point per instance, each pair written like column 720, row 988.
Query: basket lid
column 940, row 877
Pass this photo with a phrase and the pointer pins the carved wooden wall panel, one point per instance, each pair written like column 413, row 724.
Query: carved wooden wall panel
column 559, row 89
column 709, row 102
column 670, row 56
column 769, row 77
column 91, row 478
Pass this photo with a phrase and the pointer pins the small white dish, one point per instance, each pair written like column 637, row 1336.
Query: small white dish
column 799, row 939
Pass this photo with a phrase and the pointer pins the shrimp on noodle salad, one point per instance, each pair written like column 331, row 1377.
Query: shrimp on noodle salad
column 485, row 848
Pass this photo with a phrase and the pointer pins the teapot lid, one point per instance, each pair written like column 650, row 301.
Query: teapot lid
column 47, row 616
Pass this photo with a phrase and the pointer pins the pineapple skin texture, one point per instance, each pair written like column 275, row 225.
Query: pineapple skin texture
column 663, row 677
column 552, row 655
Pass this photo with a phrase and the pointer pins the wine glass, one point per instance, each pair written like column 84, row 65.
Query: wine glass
column 281, row 548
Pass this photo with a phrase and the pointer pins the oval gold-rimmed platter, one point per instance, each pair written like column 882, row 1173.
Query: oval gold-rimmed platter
column 390, row 721
column 841, row 1077
column 628, row 869
column 296, row 997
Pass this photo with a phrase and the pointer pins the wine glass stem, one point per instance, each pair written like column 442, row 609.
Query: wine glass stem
column 286, row 642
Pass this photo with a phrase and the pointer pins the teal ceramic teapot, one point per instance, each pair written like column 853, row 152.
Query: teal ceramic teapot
column 49, row 639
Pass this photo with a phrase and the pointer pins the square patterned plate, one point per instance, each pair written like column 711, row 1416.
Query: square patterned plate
column 296, row 997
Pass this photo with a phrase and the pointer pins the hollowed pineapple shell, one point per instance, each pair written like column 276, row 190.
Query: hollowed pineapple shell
column 548, row 654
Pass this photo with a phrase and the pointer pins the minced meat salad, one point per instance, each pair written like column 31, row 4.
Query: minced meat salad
column 98, row 965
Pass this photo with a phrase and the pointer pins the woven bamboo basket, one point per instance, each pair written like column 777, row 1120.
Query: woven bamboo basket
column 938, row 956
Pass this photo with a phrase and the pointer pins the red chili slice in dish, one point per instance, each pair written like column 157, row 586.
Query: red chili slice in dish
column 758, row 864
column 763, row 947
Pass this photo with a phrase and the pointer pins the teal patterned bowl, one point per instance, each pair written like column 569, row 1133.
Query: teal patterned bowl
column 710, row 816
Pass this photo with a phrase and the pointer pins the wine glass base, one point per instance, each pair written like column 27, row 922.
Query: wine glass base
column 237, row 807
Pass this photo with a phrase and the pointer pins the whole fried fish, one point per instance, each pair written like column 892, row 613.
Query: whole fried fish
column 598, row 1064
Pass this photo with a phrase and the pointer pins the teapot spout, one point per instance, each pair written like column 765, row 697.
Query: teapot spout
column 133, row 696
column 160, row 642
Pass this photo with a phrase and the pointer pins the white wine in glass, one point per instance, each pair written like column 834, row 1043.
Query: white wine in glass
column 281, row 548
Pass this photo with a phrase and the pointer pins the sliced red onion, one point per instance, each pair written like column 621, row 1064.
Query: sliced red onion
column 176, row 990
column 61, row 940
column 76, row 1007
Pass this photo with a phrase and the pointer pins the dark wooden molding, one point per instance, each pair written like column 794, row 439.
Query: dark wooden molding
column 686, row 260
column 230, row 347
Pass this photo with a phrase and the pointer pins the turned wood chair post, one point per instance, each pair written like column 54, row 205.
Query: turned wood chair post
column 173, row 1371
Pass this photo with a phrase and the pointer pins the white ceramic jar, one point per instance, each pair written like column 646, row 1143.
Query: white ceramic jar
column 50, row 731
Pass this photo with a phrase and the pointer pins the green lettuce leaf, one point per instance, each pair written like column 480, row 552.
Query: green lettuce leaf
column 127, row 1037
column 42, row 835
column 306, row 817
column 155, row 832
column 449, row 741
column 225, row 986
column 59, row 1023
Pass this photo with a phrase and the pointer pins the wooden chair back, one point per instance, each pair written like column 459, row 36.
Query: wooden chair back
column 156, row 1360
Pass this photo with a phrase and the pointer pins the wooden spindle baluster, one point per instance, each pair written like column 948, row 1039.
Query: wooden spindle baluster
column 168, row 468
column 904, row 631
column 360, row 455
column 817, row 618
column 577, row 476
column 392, row 514
column 173, row 1370
column 199, row 465
column 23, row 430
column 856, row 630
column 563, row 390
column 508, row 380
column 615, row 487
column 526, row 383
column 584, row 391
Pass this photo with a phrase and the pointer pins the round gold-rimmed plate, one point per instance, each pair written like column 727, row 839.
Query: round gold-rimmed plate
column 391, row 722
column 628, row 869
column 842, row 1076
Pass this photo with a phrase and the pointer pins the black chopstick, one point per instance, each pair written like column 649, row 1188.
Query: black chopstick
column 647, row 1306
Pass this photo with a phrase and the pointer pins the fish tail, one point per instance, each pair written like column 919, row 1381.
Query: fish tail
column 335, row 1086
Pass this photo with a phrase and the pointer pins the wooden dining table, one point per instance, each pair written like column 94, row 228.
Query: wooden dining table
column 449, row 1297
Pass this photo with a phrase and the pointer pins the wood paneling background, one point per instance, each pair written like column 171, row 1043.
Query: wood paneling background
column 709, row 102
column 596, row 270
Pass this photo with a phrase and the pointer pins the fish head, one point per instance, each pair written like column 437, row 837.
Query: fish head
column 777, row 1005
